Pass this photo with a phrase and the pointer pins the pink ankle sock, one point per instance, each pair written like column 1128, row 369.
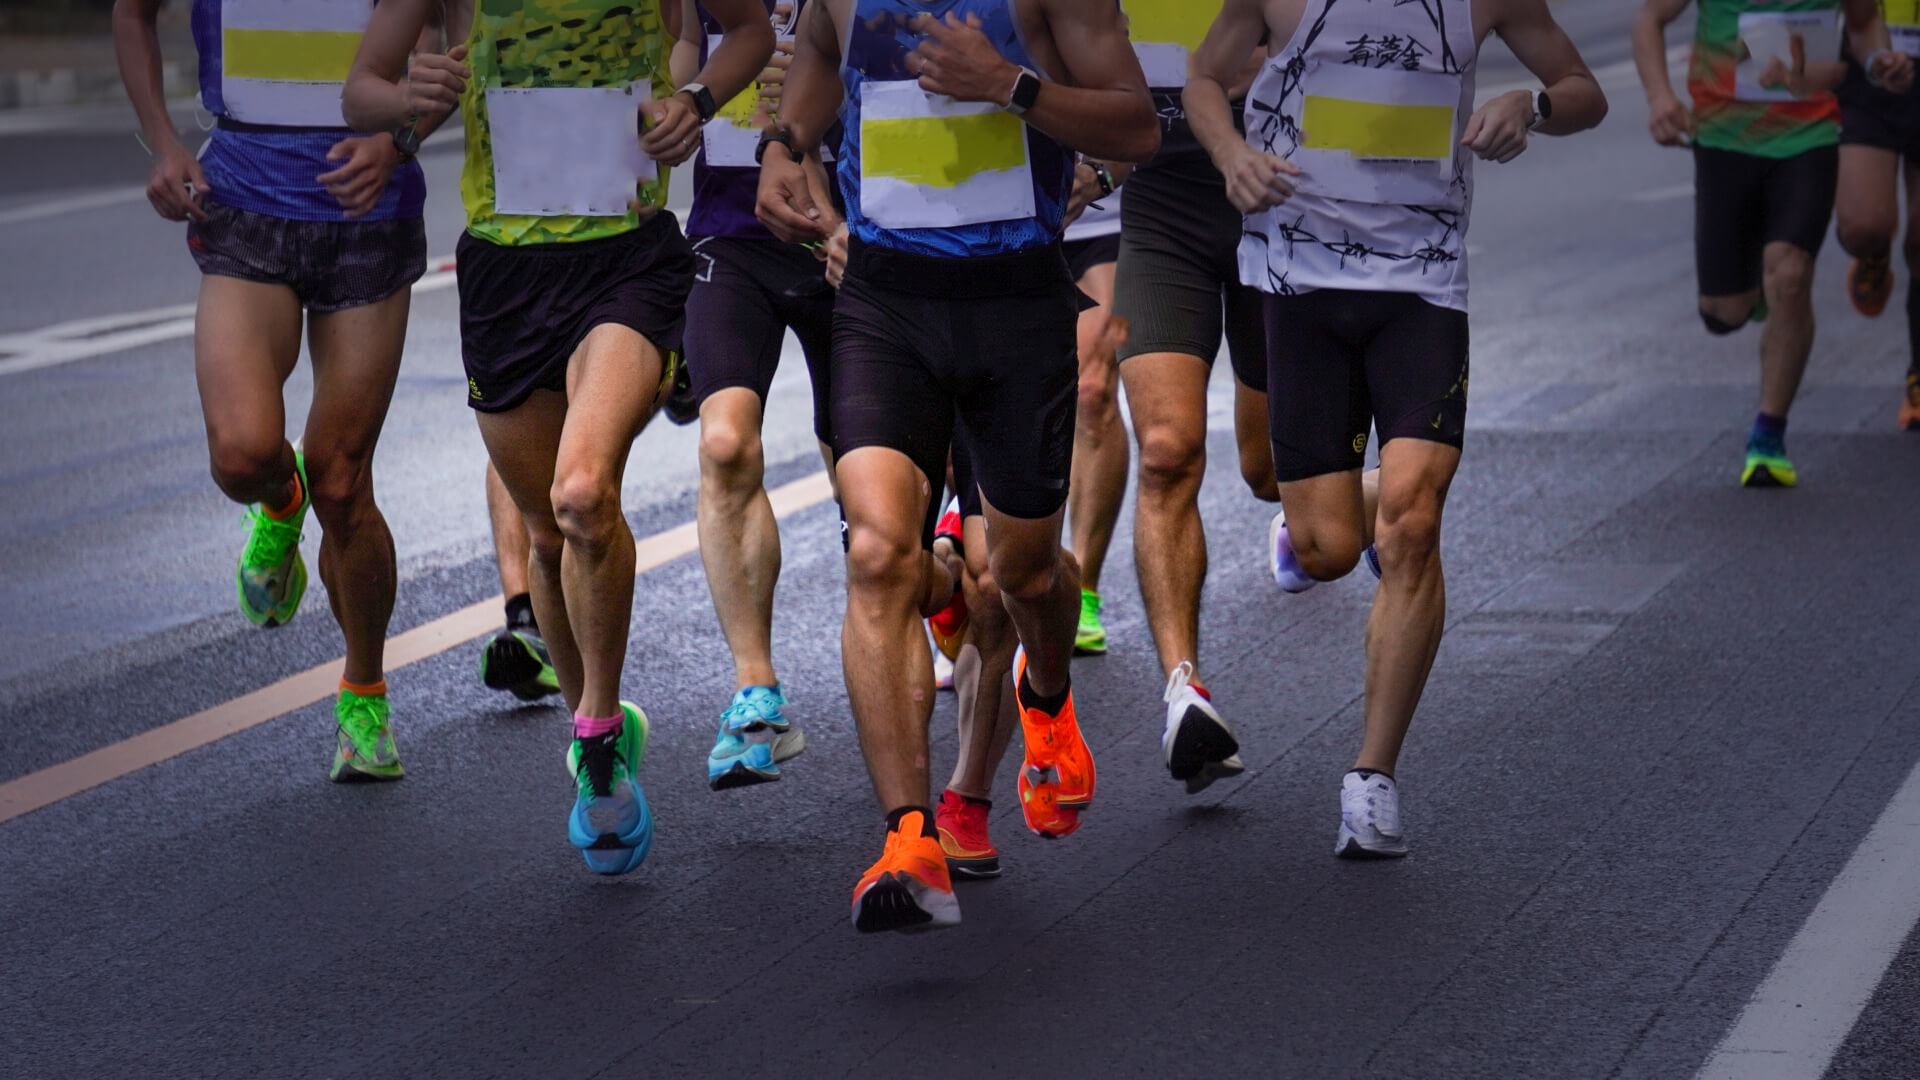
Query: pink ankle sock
column 591, row 727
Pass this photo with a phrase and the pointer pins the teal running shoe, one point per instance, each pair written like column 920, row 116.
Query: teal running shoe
column 272, row 576
column 1767, row 465
column 755, row 737
column 610, row 822
column 365, row 749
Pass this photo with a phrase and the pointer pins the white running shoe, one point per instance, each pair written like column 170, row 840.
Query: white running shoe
column 1369, row 818
column 1199, row 746
column 942, row 671
column 1286, row 569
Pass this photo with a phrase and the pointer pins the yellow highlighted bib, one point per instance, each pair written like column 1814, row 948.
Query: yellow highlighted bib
column 288, row 55
column 1902, row 12
column 1174, row 22
column 942, row 151
column 1372, row 131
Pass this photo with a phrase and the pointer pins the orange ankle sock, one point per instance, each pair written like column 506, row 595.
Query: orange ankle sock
column 293, row 504
column 373, row 689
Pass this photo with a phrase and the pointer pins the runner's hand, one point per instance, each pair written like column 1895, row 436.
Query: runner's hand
column 957, row 60
column 1497, row 131
column 176, row 185
column 1086, row 191
column 785, row 204
column 1670, row 121
column 367, row 163
column 673, row 130
column 1893, row 70
column 835, row 250
column 1257, row 181
column 435, row 82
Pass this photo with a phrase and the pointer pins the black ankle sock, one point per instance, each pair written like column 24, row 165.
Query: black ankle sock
column 520, row 611
column 1033, row 699
column 926, row 819
column 1368, row 774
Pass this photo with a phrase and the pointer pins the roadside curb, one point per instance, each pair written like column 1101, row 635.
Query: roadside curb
column 78, row 86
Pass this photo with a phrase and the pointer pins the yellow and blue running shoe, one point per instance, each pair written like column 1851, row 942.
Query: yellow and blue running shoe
column 755, row 737
column 365, row 748
column 610, row 822
column 1767, row 465
column 272, row 576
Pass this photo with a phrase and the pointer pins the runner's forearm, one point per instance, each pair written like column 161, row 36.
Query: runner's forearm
column 1113, row 125
column 1210, row 115
column 1650, row 46
column 1578, row 104
column 136, row 47
column 746, row 44
column 375, row 96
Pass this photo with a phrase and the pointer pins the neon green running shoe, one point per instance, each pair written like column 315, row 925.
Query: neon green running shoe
column 365, row 750
column 273, row 576
column 1768, row 467
column 1091, row 639
column 610, row 821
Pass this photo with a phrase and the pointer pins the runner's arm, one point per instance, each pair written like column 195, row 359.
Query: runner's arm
column 176, row 185
column 1869, row 39
column 1255, row 181
column 746, row 44
column 382, row 92
column 685, row 63
column 808, row 104
column 1544, row 48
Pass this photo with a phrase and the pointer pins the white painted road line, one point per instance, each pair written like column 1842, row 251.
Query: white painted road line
column 98, row 335
column 1798, row 1018
column 92, row 200
column 1661, row 194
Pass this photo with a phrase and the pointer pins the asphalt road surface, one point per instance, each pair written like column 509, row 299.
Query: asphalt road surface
column 1659, row 792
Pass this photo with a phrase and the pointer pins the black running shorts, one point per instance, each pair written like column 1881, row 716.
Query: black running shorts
column 1870, row 116
column 525, row 308
column 746, row 293
column 329, row 265
column 1743, row 202
column 1084, row 255
column 1178, row 283
column 985, row 347
column 1343, row 360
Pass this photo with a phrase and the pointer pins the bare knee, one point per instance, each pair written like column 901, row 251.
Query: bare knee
column 1325, row 552
column 341, row 488
column 730, row 451
column 1865, row 234
column 1789, row 280
column 241, row 467
column 1407, row 536
column 1169, row 460
column 877, row 561
column 586, row 507
column 1096, row 397
column 1725, row 314
column 1029, row 577
column 545, row 543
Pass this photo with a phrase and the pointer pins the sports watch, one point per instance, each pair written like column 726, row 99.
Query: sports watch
column 703, row 103
column 1026, row 91
column 406, row 139
column 777, row 135
column 1542, row 110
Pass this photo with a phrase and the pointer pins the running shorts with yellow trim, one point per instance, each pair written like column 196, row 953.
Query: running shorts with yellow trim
column 1344, row 360
column 1178, row 280
column 329, row 265
column 525, row 308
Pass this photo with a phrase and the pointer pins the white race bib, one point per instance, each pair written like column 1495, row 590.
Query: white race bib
column 733, row 134
column 1378, row 135
column 930, row 162
column 1165, row 33
column 1769, row 34
column 282, row 62
column 567, row 151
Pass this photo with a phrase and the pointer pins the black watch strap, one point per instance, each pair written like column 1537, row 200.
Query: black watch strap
column 703, row 104
column 406, row 139
column 776, row 135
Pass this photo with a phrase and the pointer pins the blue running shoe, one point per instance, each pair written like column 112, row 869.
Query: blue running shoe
column 610, row 822
column 755, row 737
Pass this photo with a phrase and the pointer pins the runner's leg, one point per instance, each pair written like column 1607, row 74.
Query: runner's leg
column 983, row 675
column 356, row 362
column 523, row 443
column 1167, row 394
column 1787, row 341
column 739, row 539
column 1100, row 451
column 510, row 543
column 246, row 343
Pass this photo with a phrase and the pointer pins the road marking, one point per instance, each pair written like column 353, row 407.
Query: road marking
column 1660, row 194
column 1615, row 76
column 92, row 200
column 98, row 335
column 50, row 785
column 1798, row 1018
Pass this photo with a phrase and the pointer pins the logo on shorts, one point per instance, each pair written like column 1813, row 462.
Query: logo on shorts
column 1360, row 443
column 473, row 390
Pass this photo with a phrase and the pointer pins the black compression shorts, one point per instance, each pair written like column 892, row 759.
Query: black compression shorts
column 1341, row 360
column 525, row 308
column 1084, row 255
column 746, row 293
column 1743, row 202
column 1178, row 283
column 995, row 360
column 1870, row 116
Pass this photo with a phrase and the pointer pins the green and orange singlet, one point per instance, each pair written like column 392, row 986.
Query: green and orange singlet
column 1773, row 129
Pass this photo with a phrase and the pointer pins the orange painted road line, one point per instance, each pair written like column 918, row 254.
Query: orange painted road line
column 38, row 790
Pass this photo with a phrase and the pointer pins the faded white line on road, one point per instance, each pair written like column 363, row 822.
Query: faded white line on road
column 92, row 200
column 1660, row 194
column 1615, row 76
column 101, row 334
column 1796, row 1021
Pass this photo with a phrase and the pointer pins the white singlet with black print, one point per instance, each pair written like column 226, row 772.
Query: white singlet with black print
column 1369, row 99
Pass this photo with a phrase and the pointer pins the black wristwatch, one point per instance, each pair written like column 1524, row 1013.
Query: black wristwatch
column 406, row 139
column 777, row 135
column 703, row 103
column 1105, row 176
column 1026, row 91
column 1542, row 109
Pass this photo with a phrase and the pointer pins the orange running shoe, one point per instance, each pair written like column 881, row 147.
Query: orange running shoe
column 909, row 888
column 1869, row 284
column 962, row 823
column 1056, row 774
column 949, row 625
column 1910, row 405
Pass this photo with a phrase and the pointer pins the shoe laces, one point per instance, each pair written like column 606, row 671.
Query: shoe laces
column 269, row 540
column 1376, row 803
column 599, row 763
column 1178, row 681
column 363, row 721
